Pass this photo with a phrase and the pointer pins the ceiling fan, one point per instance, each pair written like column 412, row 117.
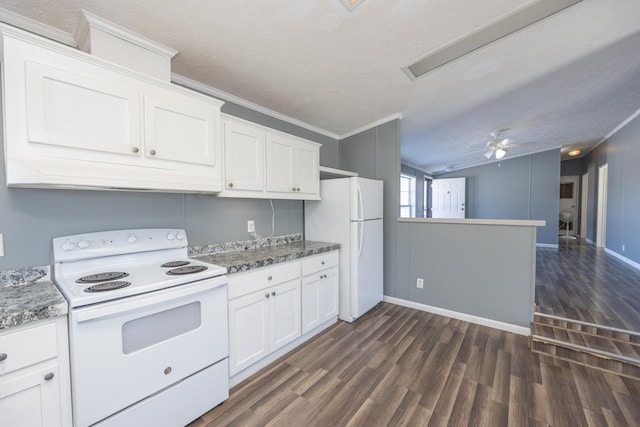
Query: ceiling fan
column 497, row 147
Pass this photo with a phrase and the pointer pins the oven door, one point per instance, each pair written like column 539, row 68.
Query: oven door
column 123, row 351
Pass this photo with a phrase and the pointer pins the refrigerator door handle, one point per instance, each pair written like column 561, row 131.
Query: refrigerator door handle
column 360, row 204
column 360, row 237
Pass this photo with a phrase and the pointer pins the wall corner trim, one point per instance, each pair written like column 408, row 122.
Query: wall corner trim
column 508, row 327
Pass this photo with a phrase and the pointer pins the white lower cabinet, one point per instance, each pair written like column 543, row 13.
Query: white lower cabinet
column 262, row 322
column 319, row 290
column 278, row 307
column 34, row 375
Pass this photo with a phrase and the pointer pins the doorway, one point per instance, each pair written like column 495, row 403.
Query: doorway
column 568, row 205
column 601, row 221
column 448, row 198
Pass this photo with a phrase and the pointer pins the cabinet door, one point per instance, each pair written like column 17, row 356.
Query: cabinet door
column 306, row 169
column 311, row 308
column 329, row 294
column 181, row 129
column 30, row 399
column 280, row 164
column 285, row 313
column 68, row 110
column 248, row 330
column 243, row 157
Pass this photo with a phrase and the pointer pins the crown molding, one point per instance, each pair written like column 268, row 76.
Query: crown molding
column 614, row 131
column 379, row 122
column 217, row 93
column 36, row 27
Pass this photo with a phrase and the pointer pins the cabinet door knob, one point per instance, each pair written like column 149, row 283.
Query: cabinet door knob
column 3, row 357
column 49, row 376
column 152, row 152
column 269, row 278
column 273, row 293
column 293, row 189
column 231, row 185
column 267, row 295
column 297, row 189
column 135, row 149
column 322, row 263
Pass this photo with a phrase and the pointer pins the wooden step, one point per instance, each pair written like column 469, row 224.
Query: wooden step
column 597, row 346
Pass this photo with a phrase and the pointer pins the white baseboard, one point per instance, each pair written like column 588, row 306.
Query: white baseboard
column 589, row 241
column 547, row 245
column 622, row 258
column 520, row 330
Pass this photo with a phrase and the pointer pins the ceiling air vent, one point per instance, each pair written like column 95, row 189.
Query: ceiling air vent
column 503, row 26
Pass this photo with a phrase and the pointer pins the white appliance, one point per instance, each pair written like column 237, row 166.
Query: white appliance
column 147, row 327
column 350, row 213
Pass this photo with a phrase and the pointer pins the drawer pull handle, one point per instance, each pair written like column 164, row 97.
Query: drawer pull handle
column 167, row 370
column 3, row 357
column 135, row 149
column 322, row 263
column 273, row 293
column 49, row 376
column 231, row 185
column 152, row 152
column 267, row 295
column 269, row 278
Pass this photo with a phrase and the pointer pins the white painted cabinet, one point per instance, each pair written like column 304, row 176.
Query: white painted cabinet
column 243, row 156
column 292, row 166
column 75, row 121
column 34, row 375
column 319, row 290
column 264, row 313
column 263, row 163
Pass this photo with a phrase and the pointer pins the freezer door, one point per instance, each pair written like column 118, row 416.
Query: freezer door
column 366, row 266
column 366, row 199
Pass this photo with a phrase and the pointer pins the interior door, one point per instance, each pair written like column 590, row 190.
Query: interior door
column 569, row 202
column 448, row 198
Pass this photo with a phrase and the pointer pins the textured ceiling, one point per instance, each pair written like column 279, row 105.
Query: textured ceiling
column 568, row 80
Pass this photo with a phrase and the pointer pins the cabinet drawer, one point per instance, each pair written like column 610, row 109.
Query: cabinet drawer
column 26, row 347
column 316, row 263
column 252, row 281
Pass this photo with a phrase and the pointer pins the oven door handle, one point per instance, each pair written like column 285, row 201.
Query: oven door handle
column 145, row 301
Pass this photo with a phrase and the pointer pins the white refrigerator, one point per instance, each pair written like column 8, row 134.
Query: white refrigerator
column 350, row 213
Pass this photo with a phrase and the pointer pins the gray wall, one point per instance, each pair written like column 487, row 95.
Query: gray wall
column 571, row 167
column 525, row 187
column 622, row 154
column 485, row 271
column 29, row 218
column 375, row 154
column 420, row 176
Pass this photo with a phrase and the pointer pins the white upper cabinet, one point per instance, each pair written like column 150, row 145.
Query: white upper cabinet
column 76, row 121
column 243, row 156
column 263, row 163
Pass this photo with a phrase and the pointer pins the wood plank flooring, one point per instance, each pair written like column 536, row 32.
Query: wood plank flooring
column 579, row 281
column 401, row 367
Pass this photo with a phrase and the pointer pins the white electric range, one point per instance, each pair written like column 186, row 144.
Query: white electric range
column 147, row 327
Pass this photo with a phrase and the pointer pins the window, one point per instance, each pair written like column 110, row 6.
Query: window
column 566, row 190
column 407, row 196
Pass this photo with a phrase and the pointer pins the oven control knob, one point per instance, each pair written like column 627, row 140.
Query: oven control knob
column 171, row 236
column 132, row 239
column 68, row 246
column 180, row 236
column 83, row 244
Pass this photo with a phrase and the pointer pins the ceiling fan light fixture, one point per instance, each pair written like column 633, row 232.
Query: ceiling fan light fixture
column 500, row 152
column 488, row 154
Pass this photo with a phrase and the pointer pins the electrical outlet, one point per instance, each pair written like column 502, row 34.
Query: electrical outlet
column 251, row 226
column 1, row 245
column 420, row 283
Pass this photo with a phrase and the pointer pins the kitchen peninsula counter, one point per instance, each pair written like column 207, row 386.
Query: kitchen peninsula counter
column 249, row 259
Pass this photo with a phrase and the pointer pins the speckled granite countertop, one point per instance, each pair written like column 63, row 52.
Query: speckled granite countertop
column 24, row 303
column 249, row 259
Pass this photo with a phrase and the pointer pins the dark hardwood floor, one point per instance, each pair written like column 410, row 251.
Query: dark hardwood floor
column 401, row 367
column 579, row 281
